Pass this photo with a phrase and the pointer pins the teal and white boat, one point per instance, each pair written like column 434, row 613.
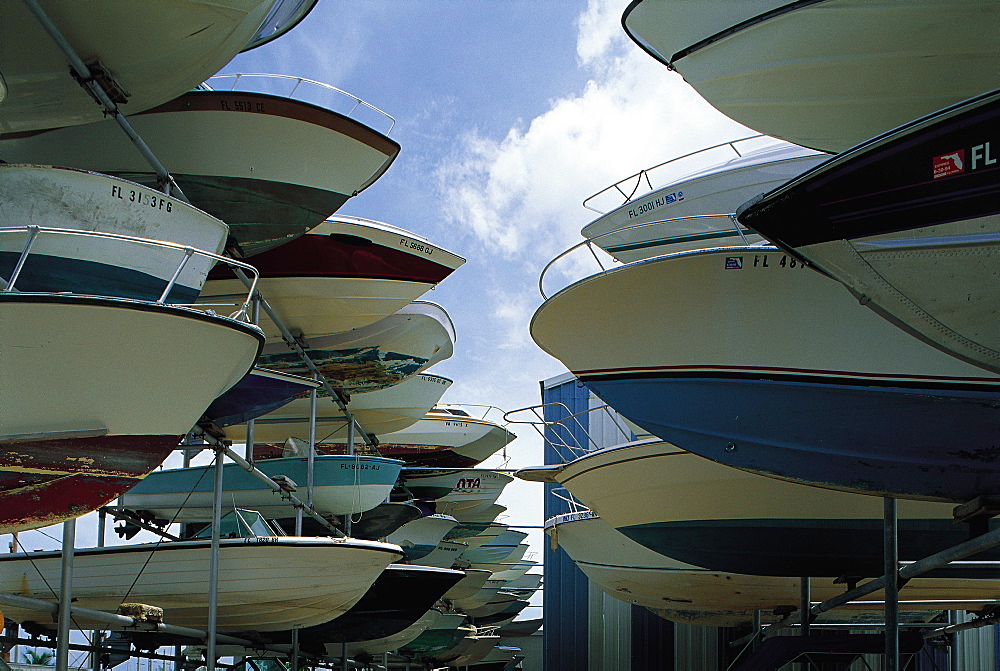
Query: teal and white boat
column 343, row 485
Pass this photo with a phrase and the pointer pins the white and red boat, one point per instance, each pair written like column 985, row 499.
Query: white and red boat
column 98, row 391
column 344, row 274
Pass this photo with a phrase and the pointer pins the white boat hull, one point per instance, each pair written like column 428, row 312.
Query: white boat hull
column 127, row 367
column 193, row 38
column 681, row 592
column 443, row 439
column 472, row 490
column 100, row 401
column 388, row 643
column 826, row 75
column 685, row 338
column 265, row 584
column 718, row 190
column 376, row 356
column 268, row 197
column 470, row 585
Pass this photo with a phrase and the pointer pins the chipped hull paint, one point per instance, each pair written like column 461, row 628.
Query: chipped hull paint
column 354, row 370
column 111, row 384
column 920, row 442
column 73, row 199
column 376, row 356
column 50, row 481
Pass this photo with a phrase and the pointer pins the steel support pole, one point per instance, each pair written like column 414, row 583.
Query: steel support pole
column 805, row 594
column 295, row 633
column 756, row 630
column 958, row 552
column 95, row 635
column 955, row 660
column 100, row 95
column 311, row 461
column 275, row 487
column 248, row 448
column 350, row 450
column 891, row 558
column 213, row 563
column 65, row 594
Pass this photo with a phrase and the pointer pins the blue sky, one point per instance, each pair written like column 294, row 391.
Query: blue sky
column 509, row 114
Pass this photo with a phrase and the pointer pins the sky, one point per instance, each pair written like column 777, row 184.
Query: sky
column 509, row 113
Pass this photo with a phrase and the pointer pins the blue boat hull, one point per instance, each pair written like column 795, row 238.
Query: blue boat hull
column 907, row 439
column 252, row 397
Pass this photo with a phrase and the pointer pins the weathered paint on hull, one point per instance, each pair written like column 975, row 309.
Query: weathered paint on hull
column 915, row 442
column 373, row 357
column 79, row 200
column 51, row 481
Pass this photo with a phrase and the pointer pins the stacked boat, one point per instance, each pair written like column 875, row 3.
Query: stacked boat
column 116, row 277
column 779, row 309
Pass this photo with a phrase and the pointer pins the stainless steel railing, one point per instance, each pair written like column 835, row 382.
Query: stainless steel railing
column 184, row 253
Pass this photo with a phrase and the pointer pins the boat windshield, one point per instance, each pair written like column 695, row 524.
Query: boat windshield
column 240, row 523
column 284, row 15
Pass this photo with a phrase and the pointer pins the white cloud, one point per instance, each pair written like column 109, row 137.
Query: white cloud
column 522, row 194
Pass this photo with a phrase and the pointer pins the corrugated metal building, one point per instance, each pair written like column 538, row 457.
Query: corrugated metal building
column 586, row 629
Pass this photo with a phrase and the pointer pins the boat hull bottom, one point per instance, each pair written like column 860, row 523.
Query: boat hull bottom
column 44, row 482
column 907, row 441
column 261, row 214
column 822, row 547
